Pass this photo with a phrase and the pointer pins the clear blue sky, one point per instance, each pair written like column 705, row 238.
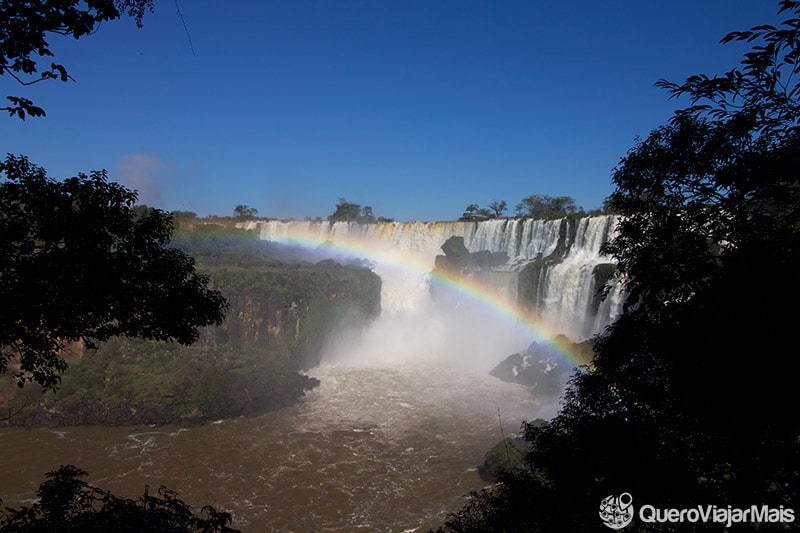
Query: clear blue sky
column 415, row 107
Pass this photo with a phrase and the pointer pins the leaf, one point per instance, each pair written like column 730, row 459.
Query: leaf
column 764, row 27
column 61, row 70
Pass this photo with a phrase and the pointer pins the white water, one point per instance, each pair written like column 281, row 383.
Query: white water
column 381, row 450
column 390, row 439
column 564, row 298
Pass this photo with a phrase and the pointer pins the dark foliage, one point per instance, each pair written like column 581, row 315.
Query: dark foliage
column 691, row 398
column 498, row 207
column 231, row 370
column 243, row 211
column 26, row 26
column 537, row 206
column 542, row 206
column 474, row 212
column 352, row 212
column 68, row 504
column 78, row 262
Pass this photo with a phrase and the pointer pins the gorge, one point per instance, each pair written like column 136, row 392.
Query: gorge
column 405, row 407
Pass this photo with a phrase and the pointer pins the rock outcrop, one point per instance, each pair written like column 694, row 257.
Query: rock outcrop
column 276, row 326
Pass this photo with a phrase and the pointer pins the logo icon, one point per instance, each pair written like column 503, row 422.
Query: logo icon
column 616, row 512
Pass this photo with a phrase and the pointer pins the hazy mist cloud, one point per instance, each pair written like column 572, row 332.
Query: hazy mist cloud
column 143, row 172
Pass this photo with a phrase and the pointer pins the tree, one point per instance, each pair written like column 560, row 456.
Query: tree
column 474, row 212
column 243, row 211
column 498, row 208
column 345, row 211
column 542, row 206
column 678, row 407
column 352, row 212
column 69, row 504
column 78, row 262
column 24, row 30
column 183, row 218
column 708, row 200
column 366, row 215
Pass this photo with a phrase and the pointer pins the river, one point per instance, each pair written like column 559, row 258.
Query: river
column 371, row 449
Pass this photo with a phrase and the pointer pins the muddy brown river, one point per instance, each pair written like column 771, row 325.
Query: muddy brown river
column 370, row 449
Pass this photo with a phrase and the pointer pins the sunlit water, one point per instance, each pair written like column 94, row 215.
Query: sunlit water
column 370, row 449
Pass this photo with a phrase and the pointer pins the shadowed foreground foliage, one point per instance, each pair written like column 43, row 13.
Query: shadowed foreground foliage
column 692, row 397
column 280, row 316
column 78, row 262
column 67, row 504
column 25, row 30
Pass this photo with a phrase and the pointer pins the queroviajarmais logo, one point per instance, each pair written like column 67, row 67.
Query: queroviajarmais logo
column 616, row 512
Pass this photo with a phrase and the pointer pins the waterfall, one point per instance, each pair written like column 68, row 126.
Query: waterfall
column 554, row 267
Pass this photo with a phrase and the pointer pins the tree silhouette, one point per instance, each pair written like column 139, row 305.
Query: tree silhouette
column 69, row 504
column 475, row 212
column 79, row 262
column 25, row 27
column 543, row 206
column 243, row 211
column 498, row 208
column 352, row 212
column 345, row 211
column 691, row 398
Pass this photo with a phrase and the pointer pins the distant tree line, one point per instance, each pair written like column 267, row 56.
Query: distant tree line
column 352, row 212
column 345, row 211
column 538, row 206
column 244, row 211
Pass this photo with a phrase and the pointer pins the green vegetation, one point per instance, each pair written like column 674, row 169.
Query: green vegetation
column 147, row 382
column 537, row 206
column 351, row 212
column 498, row 208
column 217, row 243
column 69, row 504
column 243, row 211
column 280, row 314
column 80, row 262
column 475, row 212
column 505, row 456
column 691, row 398
column 542, row 206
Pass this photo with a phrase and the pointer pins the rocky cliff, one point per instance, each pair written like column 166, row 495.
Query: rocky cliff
column 279, row 317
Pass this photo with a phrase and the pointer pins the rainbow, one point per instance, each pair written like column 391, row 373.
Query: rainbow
column 388, row 256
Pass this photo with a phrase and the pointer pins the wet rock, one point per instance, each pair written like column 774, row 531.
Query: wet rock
column 539, row 367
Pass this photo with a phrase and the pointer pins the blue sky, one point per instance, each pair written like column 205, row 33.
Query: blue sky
column 416, row 108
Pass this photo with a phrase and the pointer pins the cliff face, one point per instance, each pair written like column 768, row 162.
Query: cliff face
column 552, row 268
column 276, row 326
column 291, row 309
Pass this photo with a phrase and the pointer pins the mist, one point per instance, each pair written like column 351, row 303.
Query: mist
column 450, row 342
column 413, row 330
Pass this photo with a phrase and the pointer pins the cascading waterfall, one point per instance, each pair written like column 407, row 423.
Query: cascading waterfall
column 389, row 439
column 571, row 281
column 554, row 267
